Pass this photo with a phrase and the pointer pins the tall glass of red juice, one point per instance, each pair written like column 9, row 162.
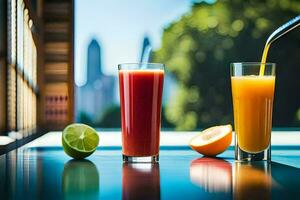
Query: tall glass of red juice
column 141, row 87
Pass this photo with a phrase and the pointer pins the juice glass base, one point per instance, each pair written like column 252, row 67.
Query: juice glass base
column 241, row 155
column 141, row 159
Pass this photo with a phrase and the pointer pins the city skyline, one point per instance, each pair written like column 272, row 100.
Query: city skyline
column 106, row 28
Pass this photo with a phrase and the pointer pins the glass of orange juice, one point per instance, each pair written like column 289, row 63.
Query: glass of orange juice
column 253, row 94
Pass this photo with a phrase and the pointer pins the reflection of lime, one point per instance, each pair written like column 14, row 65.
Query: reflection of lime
column 79, row 140
column 80, row 180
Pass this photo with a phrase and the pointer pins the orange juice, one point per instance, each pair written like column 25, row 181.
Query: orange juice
column 253, row 104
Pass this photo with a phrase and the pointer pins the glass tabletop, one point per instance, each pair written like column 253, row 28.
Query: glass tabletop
column 47, row 173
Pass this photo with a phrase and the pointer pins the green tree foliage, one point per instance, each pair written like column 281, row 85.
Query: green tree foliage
column 111, row 118
column 199, row 47
column 84, row 118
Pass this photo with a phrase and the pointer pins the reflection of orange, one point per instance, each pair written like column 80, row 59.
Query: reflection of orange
column 252, row 182
column 212, row 141
column 214, row 175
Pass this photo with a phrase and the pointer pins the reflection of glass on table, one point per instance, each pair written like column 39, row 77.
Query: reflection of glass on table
column 252, row 180
column 140, row 181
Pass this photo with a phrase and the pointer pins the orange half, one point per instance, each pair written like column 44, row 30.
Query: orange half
column 212, row 141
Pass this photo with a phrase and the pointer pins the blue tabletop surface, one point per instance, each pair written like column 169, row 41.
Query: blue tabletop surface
column 47, row 173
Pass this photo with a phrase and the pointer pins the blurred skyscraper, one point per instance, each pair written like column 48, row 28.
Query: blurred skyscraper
column 97, row 94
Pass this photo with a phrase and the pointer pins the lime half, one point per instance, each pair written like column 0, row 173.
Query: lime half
column 79, row 140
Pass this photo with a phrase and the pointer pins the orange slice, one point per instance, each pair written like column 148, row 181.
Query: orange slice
column 212, row 141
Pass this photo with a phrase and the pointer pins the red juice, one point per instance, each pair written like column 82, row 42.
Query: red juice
column 141, row 99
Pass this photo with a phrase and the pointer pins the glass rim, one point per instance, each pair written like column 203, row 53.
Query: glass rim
column 252, row 68
column 137, row 65
column 252, row 63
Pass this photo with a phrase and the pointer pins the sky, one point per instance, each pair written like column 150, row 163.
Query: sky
column 120, row 27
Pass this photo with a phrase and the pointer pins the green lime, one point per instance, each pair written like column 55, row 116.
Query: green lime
column 79, row 140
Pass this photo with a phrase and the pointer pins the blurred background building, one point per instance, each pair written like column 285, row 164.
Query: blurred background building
column 37, row 78
column 57, row 81
column 98, row 93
